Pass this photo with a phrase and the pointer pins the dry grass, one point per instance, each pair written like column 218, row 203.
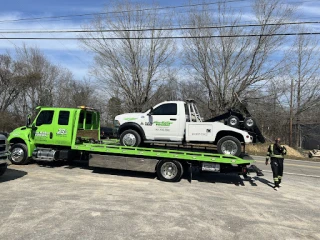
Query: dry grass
column 261, row 149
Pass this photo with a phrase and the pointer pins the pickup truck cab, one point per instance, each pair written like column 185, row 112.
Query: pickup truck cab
column 178, row 122
column 4, row 153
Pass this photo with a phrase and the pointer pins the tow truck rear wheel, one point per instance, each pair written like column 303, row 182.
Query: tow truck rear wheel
column 19, row 154
column 130, row 138
column 229, row 145
column 169, row 170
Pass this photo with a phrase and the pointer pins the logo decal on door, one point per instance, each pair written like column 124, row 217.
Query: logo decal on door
column 62, row 131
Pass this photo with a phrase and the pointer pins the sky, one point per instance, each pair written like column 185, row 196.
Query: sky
column 70, row 54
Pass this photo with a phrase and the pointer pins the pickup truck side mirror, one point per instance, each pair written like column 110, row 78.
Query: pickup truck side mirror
column 150, row 112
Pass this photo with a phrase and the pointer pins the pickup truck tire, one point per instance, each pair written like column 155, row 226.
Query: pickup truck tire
column 233, row 121
column 19, row 154
column 229, row 145
column 130, row 138
column 169, row 170
column 3, row 168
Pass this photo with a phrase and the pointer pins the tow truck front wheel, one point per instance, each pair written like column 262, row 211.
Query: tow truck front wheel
column 169, row 170
column 19, row 154
column 130, row 138
column 229, row 145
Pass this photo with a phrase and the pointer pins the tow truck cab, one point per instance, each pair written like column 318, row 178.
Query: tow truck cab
column 53, row 133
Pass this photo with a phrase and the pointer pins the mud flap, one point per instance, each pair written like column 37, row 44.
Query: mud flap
column 190, row 172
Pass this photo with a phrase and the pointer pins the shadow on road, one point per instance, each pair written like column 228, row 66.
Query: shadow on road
column 221, row 178
column 264, row 181
column 12, row 174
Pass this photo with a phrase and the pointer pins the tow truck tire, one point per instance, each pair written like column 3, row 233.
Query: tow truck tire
column 169, row 170
column 130, row 138
column 233, row 121
column 3, row 168
column 248, row 123
column 19, row 154
column 229, row 145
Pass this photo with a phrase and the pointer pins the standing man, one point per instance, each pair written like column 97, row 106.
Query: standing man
column 276, row 152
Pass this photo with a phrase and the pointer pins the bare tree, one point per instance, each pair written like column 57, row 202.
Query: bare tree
column 303, row 64
column 132, row 65
column 231, row 62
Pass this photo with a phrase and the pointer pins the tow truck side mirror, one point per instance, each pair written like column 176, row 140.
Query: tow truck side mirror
column 28, row 121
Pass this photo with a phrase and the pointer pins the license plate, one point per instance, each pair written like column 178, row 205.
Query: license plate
column 211, row 167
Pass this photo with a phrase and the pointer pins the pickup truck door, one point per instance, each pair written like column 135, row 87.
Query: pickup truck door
column 164, row 123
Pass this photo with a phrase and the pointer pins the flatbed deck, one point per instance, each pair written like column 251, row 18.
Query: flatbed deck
column 113, row 147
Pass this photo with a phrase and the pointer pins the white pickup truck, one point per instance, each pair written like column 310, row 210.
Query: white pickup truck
column 178, row 122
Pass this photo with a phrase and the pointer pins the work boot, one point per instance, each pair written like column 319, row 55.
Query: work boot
column 279, row 184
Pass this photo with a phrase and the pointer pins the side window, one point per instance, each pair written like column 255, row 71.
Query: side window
column 166, row 109
column 45, row 117
column 63, row 118
column 89, row 118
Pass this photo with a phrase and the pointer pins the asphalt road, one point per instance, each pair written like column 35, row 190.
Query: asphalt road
column 292, row 167
column 76, row 202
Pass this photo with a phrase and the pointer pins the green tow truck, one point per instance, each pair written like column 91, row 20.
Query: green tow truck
column 65, row 134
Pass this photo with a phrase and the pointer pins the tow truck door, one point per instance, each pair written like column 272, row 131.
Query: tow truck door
column 164, row 123
column 63, row 127
column 42, row 129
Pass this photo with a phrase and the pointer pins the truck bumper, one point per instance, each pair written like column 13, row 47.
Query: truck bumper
column 4, row 158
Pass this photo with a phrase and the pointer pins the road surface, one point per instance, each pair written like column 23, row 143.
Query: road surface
column 292, row 167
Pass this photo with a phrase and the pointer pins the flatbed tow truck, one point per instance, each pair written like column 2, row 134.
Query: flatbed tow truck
column 65, row 134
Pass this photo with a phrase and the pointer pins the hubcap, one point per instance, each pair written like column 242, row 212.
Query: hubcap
column 233, row 121
column 169, row 170
column 17, row 155
column 229, row 147
column 129, row 140
column 249, row 122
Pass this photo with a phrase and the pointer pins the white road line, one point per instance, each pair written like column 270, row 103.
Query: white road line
column 298, row 174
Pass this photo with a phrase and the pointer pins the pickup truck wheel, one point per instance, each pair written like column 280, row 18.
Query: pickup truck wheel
column 169, row 170
column 3, row 168
column 130, row 138
column 229, row 145
column 233, row 121
column 19, row 154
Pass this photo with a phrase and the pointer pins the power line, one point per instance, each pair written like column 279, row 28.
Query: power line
column 168, row 37
column 117, row 12
column 161, row 29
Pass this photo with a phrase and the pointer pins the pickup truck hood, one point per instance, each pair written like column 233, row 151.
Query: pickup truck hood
column 129, row 116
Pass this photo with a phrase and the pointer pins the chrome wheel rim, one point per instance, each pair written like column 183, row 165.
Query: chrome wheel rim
column 169, row 170
column 233, row 121
column 229, row 147
column 129, row 140
column 249, row 122
column 17, row 155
